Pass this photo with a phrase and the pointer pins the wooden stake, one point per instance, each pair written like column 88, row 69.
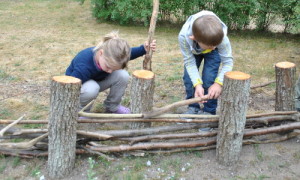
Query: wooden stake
column 142, row 90
column 64, row 104
column 233, row 108
column 148, row 56
column 285, row 86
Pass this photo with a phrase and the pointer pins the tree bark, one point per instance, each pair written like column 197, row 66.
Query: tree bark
column 142, row 89
column 233, row 105
column 285, row 86
column 64, row 104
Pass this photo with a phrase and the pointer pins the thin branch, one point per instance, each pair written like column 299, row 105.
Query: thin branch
column 23, row 145
column 262, row 85
column 94, row 135
column 11, row 125
column 170, row 107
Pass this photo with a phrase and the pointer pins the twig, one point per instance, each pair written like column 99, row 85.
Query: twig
column 95, row 135
column 11, row 125
column 98, row 153
column 167, row 108
column 23, row 145
column 262, row 85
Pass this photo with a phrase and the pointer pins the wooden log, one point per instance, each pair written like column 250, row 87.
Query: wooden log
column 233, row 108
column 64, row 104
column 148, row 56
column 142, row 89
column 285, row 86
column 159, row 111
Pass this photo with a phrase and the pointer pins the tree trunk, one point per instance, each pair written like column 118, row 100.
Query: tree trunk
column 142, row 89
column 285, row 86
column 64, row 104
column 233, row 108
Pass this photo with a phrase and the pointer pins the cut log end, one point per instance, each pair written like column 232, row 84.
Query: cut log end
column 143, row 74
column 237, row 75
column 285, row 64
column 66, row 79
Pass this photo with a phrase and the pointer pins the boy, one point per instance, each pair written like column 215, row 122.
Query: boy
column 204, row 36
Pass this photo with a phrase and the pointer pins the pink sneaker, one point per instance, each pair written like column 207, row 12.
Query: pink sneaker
column 121, row 110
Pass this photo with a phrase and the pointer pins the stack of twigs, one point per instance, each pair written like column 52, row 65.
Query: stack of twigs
column 173, row 137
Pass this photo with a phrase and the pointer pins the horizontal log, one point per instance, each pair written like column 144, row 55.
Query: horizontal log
column 182, row 118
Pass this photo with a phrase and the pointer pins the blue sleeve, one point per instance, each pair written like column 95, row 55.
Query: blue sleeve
column 137, row 52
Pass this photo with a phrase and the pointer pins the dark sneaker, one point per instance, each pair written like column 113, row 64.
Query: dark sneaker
column 121, row 110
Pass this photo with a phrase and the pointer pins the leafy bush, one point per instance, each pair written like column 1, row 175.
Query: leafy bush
column 237, row 14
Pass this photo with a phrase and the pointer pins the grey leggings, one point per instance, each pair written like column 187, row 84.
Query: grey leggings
column 117, row 82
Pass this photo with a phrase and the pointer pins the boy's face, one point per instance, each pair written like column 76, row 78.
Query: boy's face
column 203, row 46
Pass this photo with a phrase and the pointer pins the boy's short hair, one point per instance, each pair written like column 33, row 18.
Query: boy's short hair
column 208, row 30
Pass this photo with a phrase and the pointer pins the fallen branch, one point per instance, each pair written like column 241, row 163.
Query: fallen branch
column 94, row 135
column 23, row 145
column 262, row 85
column 134, row 140
column 11, row 125
column 156, row 145
column 170, row 107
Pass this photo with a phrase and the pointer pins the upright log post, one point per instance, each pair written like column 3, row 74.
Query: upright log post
column 285, row 86
column 64, row 104
column 233, row 109
column 142, row 90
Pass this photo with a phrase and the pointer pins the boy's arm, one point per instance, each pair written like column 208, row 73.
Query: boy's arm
column 189, row 61
column 225, row 53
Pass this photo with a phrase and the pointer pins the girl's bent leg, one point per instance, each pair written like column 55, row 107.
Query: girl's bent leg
column 89, row 91
column 117, row 82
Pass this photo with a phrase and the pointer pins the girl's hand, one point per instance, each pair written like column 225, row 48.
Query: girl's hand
column 152, row 45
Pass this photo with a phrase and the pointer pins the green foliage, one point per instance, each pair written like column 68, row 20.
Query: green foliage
column 237, row 14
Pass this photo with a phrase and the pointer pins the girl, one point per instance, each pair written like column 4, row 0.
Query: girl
column 102, row 67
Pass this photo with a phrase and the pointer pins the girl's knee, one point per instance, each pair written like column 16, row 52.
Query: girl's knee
column 89, row 90
column 122, row 76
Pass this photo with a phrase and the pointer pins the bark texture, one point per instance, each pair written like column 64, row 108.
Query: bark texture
column 142, row 89
column 285, row 86
column 148, row 56
column 233, row 108
column 64, row 104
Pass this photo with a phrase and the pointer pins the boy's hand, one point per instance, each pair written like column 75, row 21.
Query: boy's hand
column 152, row 45
column 214, row 91
column 199, row 92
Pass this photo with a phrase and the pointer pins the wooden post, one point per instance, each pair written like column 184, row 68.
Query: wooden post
column 64, row 104
column 142, row 90
column 233, row 109
column 285, row 86
column 148, row 56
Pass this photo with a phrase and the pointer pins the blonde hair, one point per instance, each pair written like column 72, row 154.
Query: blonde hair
column 208, row 30
column 116, row 51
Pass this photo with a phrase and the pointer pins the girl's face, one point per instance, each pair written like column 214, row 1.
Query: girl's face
column 103, row 63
